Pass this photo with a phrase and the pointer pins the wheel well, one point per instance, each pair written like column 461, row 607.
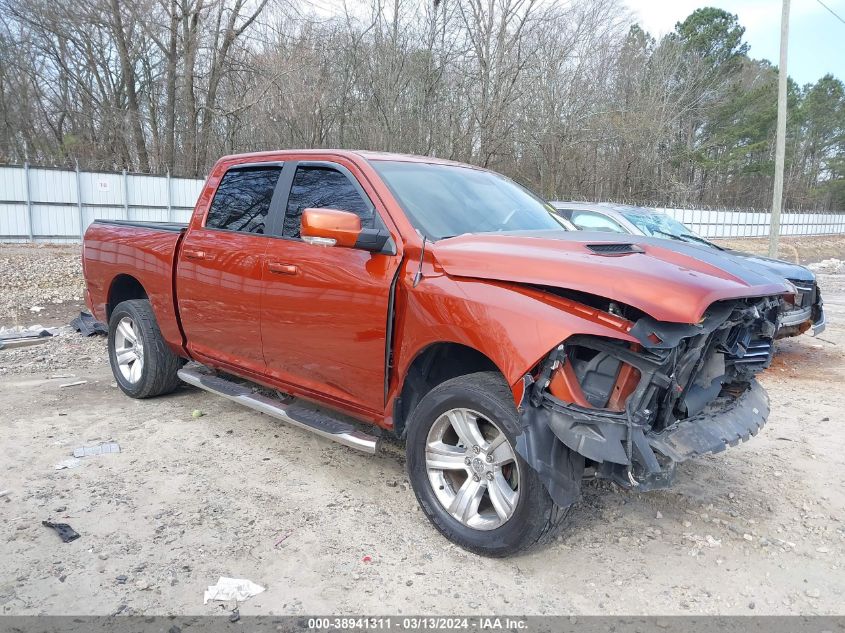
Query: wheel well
column 124, row 288
column 436, row 364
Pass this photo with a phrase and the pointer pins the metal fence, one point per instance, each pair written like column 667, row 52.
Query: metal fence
column 57, row 205
column 727, row 223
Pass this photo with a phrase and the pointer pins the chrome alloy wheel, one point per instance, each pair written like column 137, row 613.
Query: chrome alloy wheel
column 472, row 468
column 129, row 350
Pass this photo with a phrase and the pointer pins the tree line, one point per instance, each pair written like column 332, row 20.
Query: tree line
column 569, row 99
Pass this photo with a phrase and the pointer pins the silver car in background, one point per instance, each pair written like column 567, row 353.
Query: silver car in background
column 805, row 314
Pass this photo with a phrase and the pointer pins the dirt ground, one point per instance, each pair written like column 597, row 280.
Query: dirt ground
column 806, row 249
column 758, row 529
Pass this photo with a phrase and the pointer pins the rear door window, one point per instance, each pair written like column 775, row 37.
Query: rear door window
column 242, row 200
column 323, row 188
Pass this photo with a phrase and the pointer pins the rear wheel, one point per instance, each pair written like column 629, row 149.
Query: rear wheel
column 466, row 473
column 142, row 363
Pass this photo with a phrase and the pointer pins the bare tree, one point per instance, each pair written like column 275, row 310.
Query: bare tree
column 565, row 97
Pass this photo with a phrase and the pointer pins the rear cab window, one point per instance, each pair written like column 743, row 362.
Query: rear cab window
column 242, row 200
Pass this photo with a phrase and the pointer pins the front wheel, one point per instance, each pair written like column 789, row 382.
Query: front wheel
column 142, row 363
column 466, row 473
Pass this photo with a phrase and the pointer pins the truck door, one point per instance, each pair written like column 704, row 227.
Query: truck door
column 218, row 277
column 324, row 309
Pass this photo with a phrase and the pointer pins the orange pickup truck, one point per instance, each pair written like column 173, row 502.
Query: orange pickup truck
column 446, row 305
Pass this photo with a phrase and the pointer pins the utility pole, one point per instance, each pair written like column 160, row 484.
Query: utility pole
column 780, row 143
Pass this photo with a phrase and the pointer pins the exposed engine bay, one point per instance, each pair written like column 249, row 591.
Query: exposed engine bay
column 630, row 411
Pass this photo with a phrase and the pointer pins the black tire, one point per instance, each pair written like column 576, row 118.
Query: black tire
column 160, row 364
column 535, row 519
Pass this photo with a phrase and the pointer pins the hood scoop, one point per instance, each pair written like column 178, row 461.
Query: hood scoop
column 612, row 249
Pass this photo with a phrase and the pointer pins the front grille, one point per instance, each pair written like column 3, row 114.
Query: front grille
column 806, row 293
column 756, row 355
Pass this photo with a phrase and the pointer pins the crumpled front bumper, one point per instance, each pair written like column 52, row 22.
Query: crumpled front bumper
column 810, row 317
column 628, row 452
column 714, row 432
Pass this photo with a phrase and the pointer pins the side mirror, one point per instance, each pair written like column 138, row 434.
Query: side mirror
column 333, row 227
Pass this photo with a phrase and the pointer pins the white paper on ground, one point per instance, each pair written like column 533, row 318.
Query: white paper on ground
column 68, row 463
column 238, row 589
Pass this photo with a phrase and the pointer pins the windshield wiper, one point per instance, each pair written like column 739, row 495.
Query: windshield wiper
column 701, row 240
column 687, row 237
column 671, row 236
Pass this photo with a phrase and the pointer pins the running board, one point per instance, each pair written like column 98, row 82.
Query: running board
column 293, row 414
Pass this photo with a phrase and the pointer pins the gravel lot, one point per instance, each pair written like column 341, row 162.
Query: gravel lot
column 757, row 529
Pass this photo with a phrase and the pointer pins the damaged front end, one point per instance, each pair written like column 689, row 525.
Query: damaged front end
column 631, row 411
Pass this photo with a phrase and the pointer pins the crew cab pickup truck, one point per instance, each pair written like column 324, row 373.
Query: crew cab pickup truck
column 446, row 305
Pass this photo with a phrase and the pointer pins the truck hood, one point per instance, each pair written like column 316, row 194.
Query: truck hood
column 669, row 281
column 794, row 272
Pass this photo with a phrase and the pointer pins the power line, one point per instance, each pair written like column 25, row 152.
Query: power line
column 832, row 12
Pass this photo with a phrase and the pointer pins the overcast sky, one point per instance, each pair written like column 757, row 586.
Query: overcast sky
column 816, row 38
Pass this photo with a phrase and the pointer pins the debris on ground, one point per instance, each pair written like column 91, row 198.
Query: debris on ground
column 87, row 325
column 196, row 413
column 65, row 532
column 73, row 384
column 4, row 493
column 97, row 449
column 71, row 462
column 831, row 266
column 38, row 275
column 14, row 337
column 238, row 589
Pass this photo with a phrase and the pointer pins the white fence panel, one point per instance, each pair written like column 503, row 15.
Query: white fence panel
column 727, row 223
column 43, row 204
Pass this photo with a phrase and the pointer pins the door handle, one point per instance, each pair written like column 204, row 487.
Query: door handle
column 283, row 269
column 192, row 254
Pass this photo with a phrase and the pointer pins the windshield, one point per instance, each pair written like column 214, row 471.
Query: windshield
column 447, row 200
column 661, row 225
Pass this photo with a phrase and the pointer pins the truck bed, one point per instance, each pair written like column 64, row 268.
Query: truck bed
column 161, row 226
column 119, row 253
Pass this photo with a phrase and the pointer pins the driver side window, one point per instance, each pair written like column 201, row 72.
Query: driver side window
column 327, row 188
